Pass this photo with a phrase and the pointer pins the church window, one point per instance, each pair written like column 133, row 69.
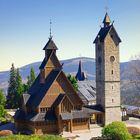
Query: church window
column 112, row 36
column 112, row 87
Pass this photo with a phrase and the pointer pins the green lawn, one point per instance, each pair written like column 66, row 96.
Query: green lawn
column 31, row 137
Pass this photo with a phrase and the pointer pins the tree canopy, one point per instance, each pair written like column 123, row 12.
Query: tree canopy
column 2, row 98
column 15, row 88
column 11, row 97
column 73, row 81
column 116, row 131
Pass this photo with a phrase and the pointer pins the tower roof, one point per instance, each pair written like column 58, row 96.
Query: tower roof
column 106, row 19
column 50, row 45
column 103, row 33
column 80, row 74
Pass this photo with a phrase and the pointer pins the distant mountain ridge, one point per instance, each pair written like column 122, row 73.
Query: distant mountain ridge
column 70, row 66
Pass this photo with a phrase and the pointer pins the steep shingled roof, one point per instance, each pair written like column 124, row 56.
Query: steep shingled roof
column 103, row 33
column 46, row 116
column 44, row 62
column 50, row 45
column 87, row 90
column 39, row 91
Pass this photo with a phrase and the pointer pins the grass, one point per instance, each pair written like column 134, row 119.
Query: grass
column 31, row 137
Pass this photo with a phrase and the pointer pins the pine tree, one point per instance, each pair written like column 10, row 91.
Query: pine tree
column 11, row 88
column 19, row 88
column 31, row 78
column 2, row 98
column 32, row 75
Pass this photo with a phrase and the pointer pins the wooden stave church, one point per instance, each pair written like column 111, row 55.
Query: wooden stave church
column 36, row 115
column 52, row 105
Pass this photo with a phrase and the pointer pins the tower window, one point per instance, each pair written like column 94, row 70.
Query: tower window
column 112, row 71
column 100, row 60
column 99, row 47
column 112, row 36
column 112, row 87
column 112, row 100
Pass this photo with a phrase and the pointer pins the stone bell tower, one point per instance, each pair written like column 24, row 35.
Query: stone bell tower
column 108, row 71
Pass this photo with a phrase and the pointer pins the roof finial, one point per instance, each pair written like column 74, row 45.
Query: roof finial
column 50, row 28
column 106, row 9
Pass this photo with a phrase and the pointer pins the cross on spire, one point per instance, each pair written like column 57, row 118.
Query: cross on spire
column 50, row 28
column 106, row 9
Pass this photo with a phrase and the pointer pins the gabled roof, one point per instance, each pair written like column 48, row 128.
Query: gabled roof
column 58, row 100
column 38, row 91
column 87, row 90
column 73, row 97
column 50, row 45
column 45, row 61
column 35, row 86
column 103, row 33
column 37, row 94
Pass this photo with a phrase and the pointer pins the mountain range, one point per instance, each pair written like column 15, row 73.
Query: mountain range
column 70, row 66
column 129, row 93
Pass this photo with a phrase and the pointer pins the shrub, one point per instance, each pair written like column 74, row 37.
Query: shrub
column 117, row 131
column 6, row 133
column 133, row 131
column 137, row 137
column 2, row 111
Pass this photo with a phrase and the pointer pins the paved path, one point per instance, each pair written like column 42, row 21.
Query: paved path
column 133, row 122
column 95, row 132
column 83, row 134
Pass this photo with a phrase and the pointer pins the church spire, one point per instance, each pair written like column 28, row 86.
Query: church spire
column 106, row 20
column 80, row 76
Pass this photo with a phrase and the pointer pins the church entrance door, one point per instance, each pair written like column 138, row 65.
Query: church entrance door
column 65, row 126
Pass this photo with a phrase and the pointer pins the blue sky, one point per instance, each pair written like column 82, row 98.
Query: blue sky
column 24, row 28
